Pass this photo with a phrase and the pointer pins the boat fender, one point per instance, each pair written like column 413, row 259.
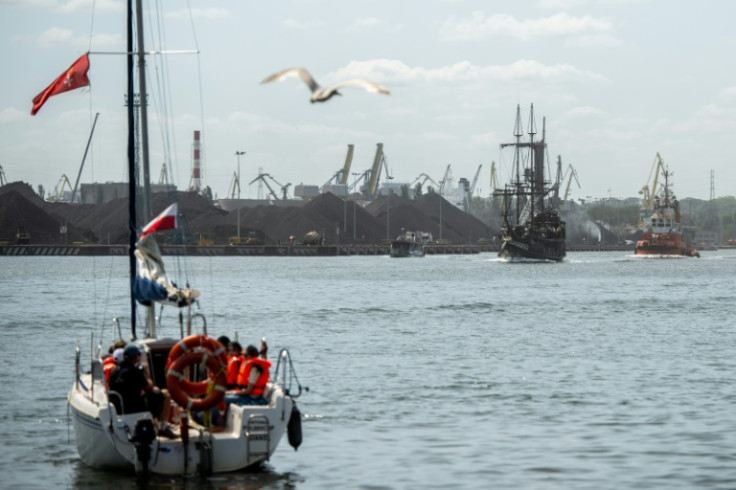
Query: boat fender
column 294, row 428
column 143, row 436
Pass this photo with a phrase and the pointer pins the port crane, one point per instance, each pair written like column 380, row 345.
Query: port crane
column 569, row 174
column 163, row 177
column 284, row 189
column 648, row 192
column 341, row 176
column 424, row 178
column 471, row 191
column 59, row 189
column 3, row 180
column 234, row 186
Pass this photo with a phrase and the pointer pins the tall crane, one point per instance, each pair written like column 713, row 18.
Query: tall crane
column 283, row 188
column 447, row 177
column 425, row 178
column 234, row 186
column 3, row 180
column 571, row 173
column 650, row 191
column 59, row 189
column 471, row 191
column 163, row 177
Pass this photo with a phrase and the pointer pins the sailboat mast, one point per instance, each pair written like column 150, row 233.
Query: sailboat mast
column 518, row 133
column 132, row 225
column 532, row 130
column 147, row 214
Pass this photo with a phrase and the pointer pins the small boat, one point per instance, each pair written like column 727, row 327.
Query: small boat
column 407, row 245
column 190, row 367
column 532, row 227
column 663, row 234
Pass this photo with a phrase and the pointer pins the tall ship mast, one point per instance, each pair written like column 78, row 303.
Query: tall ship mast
column 532, row 228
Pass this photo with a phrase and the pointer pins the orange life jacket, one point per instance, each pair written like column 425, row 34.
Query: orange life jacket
column 107, row 366
column 233, row 366
column 262, row 380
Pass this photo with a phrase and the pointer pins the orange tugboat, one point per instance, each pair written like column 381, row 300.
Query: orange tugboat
column 662, row 225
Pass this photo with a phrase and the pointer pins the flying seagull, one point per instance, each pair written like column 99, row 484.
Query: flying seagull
column 321, row 94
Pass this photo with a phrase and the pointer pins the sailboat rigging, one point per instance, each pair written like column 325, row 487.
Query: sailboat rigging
column 108, row 436
column 532, row 227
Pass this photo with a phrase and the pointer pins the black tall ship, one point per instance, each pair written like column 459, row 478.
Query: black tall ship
column 532, row 227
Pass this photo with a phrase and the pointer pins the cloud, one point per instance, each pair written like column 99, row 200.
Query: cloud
column 395, row 71
column 88, row 5
column 366, row 22
column 583, row 111
column 12, row 115
column 53, row 37
column 595, row 41
column 479, row 26
column 212, row 13
column 301, row 24
column 728, row 92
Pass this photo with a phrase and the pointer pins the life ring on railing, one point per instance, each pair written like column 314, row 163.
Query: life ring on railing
column 175, row 377
column 188, row 351
column 195, row 343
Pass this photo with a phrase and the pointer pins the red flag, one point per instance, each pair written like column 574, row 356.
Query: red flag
column 74, row 77
column 164, row 221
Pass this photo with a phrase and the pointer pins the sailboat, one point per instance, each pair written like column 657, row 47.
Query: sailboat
column 532, row 227
column 109, row 437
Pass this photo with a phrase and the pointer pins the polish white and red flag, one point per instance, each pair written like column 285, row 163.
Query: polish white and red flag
column 164, row 221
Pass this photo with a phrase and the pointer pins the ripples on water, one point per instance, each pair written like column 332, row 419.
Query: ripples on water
column 604, row 371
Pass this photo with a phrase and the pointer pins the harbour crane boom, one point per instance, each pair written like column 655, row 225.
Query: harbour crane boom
column 234, row 185
column 262, row 177
column 475, row 181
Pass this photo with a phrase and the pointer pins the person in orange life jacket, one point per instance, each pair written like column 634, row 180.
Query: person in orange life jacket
column 109, row 367
column 252, row 379
column 109, row 362
column 234, row 359
column 138, row 392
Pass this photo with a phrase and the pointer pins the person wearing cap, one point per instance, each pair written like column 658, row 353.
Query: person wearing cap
column 137, row 391
column 109, row 362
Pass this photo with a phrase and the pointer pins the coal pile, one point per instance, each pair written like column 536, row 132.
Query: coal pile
column 336, row 220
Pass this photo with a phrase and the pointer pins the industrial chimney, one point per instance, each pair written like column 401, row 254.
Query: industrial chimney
column 196, row 163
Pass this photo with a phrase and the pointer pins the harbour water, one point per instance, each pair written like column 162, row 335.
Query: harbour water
column 604, row 371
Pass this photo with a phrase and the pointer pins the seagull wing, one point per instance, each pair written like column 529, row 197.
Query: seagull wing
column 366, row 84
column 290, row 72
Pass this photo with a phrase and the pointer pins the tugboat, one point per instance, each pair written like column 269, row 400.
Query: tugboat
column 663, row 233
column 532, row 227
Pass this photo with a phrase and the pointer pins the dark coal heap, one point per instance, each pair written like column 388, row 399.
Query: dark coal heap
column 21, row 209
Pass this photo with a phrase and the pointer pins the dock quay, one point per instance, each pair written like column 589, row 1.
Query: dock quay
column 267, row 250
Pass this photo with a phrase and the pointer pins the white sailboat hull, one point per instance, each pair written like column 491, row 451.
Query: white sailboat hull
column 250, row 436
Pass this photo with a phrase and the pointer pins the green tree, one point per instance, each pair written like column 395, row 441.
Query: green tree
column 207, row 194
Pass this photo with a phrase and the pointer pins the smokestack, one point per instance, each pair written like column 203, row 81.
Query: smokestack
column 196, row 165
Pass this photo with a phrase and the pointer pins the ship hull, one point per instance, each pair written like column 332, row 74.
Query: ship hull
column 542, row 249
column 400, row 248
column 667, row 247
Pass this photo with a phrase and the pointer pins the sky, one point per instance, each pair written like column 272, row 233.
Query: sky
column 617, row 82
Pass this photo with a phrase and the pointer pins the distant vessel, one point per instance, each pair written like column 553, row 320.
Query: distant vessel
column 662, row 223
column 532, row 227
column 407, row 245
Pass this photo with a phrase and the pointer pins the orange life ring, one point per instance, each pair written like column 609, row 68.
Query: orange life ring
column 201, row 344
column 194, row 343
column 175, row 381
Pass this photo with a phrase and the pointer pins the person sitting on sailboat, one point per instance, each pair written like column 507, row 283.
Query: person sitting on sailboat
column 137, row 391
column 251, row 381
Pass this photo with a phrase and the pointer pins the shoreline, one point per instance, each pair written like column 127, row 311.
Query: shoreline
column 266, row 250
